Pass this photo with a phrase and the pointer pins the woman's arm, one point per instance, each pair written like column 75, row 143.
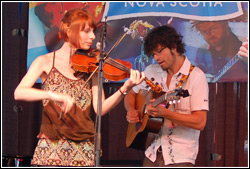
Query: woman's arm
column 26, row 92
column 113, row 100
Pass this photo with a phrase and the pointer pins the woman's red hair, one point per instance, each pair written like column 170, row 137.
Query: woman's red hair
column 75, row 20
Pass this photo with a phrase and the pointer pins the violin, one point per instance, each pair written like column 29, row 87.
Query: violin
column 114, row 70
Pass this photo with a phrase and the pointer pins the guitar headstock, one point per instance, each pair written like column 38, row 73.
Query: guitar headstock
column 182, row 92
column 176, row 94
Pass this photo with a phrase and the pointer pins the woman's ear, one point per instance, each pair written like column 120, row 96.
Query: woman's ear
column 68, row 32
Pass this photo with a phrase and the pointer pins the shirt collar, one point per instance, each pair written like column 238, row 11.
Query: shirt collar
column 184, row 69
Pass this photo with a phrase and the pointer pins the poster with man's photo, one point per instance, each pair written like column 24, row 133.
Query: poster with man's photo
column 212, row 32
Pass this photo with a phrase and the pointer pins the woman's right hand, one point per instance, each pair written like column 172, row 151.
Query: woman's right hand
column 66, row 101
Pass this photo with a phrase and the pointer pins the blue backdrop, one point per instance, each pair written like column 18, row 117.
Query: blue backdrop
column 139, row 18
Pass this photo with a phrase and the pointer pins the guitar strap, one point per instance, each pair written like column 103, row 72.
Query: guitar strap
column 184, row 77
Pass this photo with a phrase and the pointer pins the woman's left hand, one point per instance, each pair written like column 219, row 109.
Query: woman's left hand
column 135, row 78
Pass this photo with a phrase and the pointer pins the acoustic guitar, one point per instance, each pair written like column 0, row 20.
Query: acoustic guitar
column 137, row 132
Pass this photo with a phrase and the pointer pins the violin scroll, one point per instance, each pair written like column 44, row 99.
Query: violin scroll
column 155, row 87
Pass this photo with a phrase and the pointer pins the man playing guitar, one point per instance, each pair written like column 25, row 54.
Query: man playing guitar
column 177, row 143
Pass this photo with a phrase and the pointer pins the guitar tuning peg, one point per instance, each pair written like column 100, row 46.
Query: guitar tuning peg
column 173, row 101
column 170, row 102
column 179, row 101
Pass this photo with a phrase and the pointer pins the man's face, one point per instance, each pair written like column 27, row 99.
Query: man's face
column 164, row 57
column 213, row 32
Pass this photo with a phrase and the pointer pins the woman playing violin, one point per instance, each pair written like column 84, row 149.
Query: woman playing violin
column 67, row 130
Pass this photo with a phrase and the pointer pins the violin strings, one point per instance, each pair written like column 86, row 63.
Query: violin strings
column 120, row 66
column 117, row 64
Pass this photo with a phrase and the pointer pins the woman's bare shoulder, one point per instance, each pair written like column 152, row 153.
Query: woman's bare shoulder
column 44, row 60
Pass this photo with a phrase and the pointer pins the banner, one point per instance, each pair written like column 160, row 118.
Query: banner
column 205, row 27
column 204, row 11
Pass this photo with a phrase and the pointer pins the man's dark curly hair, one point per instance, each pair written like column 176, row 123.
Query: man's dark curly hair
column 166, row 36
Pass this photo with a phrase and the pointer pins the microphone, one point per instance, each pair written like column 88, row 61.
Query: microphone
column 101, row 44
column 98, row 45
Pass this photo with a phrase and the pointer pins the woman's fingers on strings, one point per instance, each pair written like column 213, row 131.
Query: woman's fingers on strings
column 136, row 76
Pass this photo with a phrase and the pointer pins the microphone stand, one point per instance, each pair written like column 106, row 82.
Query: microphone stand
column 106, row 56
column 100, row 87
column 102, row 58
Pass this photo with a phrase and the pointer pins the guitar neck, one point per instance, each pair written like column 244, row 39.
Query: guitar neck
column 225, row 68
column 158, row 100
column 171, row 96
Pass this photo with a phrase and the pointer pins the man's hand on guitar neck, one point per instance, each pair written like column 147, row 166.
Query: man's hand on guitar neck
column 158, row 111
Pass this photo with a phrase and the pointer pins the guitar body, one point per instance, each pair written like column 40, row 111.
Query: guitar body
column 137, row 132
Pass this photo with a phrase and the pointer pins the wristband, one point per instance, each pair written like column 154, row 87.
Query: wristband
column 124, row 94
